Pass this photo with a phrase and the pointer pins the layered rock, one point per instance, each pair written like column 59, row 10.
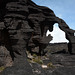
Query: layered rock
column 24, row 25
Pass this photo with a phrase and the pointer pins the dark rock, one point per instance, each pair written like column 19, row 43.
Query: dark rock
column 55, row 48
column 62, row 59
column 23, row 25
column 26, row 17
column 64, row 71
column 20, row 67
column 37, row 69
column 5, row 58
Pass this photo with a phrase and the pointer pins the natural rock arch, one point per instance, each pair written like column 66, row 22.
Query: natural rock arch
column 33, row 21
column 26, row 24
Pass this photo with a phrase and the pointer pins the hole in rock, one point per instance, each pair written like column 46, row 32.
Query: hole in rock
column 58, row 35
column 74, row 33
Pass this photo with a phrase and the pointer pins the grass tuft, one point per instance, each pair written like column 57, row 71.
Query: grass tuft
column 2, row 68
column 50, row 65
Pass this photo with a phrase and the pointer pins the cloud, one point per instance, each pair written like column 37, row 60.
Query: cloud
column 58, row 35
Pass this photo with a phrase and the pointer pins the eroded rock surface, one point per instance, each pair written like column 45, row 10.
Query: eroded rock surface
column 23, row 25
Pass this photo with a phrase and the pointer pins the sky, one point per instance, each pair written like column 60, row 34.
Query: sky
column 65, row 9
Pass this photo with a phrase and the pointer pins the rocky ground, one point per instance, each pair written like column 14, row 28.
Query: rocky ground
column 57, row 61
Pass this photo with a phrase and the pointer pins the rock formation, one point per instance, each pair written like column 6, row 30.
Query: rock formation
column 23, row 25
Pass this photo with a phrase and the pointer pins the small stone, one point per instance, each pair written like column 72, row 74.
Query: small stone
column 44, row 66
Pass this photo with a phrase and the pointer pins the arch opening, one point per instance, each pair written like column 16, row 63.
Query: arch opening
column 57, row 34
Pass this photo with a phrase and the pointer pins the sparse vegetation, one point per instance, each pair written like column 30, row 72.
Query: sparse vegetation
column 35, row 59
column 2, row 68
column 38, row 60
column 34, row 55
column 50, row 65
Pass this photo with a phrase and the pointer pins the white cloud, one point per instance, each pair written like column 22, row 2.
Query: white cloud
column 58, row 35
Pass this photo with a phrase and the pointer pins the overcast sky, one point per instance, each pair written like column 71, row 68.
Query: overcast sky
column 64, row 9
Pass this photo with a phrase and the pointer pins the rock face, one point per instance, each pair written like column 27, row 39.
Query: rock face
column 23, row 25
column 5, row 58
